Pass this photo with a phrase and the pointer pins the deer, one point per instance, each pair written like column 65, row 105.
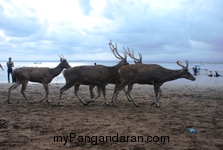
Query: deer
column 152, row 74
column 42, row 75
column 116, row 80
column 136, row 61
column 98, row 75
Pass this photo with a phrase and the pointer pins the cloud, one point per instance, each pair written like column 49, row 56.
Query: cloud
column 158, row 29
column 85, row 6
column 19, row 23
column 206, row 22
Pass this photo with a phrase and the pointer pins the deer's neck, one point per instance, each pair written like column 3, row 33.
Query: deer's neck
column 114, row 70
column 172, row 75
column 56, row 71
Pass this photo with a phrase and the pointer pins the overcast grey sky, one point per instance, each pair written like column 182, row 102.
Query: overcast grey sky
column 162, row 30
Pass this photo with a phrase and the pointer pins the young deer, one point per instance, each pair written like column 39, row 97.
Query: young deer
column 152, row 74
column 42, row 75
column 98, row 75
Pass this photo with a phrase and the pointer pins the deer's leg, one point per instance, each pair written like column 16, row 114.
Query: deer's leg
column 124, row 89
column 103, row 91
column 63, row 89
column 157, row 90
column 14, row 86
column 24, row 85
column 47, row 92
column 161, row 93
column 91, row 87
column 95, row 97
column 130, row 86
column 116, row 85
column 76, row 89
column 128, row 92
column 117, row 90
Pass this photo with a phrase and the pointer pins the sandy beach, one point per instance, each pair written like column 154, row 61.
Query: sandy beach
column 96, row 126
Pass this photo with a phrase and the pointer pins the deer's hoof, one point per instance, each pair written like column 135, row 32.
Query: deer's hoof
column 9, row 102
column 136, row 105
column 153, row 103
column 29, row 102
column 114, row 104
column 157, row 106
column 60, row 104
column 107, row 104
column 85, row 104
column 88, row 102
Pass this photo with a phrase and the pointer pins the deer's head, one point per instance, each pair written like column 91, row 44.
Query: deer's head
column 185, row 72
column 64, row 63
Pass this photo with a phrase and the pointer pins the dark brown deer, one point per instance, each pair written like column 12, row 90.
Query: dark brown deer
column 116, row 80
column 152, row 74
column 98, row 75
column 136, row 61
column 42, row 75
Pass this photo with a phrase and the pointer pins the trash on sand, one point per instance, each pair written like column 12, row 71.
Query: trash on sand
column 191, row 130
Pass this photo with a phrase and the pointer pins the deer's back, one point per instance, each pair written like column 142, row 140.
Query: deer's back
column 142, row 73
column 87, row 74
column 34, row 74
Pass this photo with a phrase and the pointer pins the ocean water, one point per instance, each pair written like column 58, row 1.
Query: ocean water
column 201, row 78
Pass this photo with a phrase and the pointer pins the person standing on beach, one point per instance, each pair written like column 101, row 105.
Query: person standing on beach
column 10, row 64
column 1, row 67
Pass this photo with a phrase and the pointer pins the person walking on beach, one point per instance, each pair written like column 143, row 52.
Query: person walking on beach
column 1, row 67
column 10, row 64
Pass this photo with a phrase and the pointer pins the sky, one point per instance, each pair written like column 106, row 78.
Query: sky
column 161, row 30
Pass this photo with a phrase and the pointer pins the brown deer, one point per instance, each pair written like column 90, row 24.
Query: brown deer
column 42, row 75
column 116, row 80
column 98, row 75
column 136, row 61
column 152, row 74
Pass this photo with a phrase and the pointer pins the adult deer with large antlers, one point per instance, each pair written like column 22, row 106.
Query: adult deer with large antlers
column 152, row 74
column 98, row 75
column 117, row 80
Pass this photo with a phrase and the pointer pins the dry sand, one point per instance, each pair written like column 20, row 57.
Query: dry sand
column 35, row 126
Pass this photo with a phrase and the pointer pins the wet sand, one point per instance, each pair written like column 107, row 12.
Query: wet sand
column 48, row 126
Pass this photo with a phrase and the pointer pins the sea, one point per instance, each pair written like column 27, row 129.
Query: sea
column 202, row 77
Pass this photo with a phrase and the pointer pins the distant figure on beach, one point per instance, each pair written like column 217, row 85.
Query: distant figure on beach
column 195, row 70
column 210, row 75
column 1, row 67
column 10, row 64
column 216, row 74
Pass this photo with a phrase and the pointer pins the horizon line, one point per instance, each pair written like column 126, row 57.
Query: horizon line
column 84, row 60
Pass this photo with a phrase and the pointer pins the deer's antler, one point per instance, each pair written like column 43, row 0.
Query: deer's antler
column 179, row 63
column 132, row 55
column 115, row 52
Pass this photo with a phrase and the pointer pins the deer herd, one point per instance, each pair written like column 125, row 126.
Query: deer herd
column 122, row 74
